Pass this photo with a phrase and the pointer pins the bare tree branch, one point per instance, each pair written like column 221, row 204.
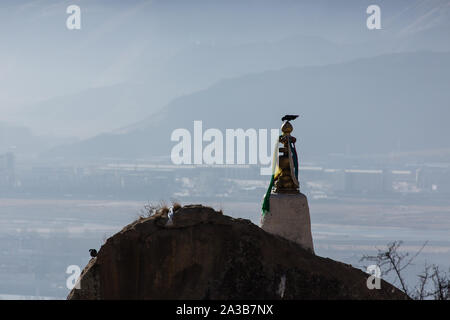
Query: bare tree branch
column 391, row 259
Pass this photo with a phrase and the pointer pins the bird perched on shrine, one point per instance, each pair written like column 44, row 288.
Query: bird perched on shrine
column 93, row 253
column 289, row 117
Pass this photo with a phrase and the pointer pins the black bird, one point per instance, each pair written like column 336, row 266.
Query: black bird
column 289, row 117
column 93, row 253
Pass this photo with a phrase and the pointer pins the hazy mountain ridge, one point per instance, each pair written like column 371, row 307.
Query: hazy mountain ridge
column 166, row 51
column 342, row 98
column 21, row 140
column 154, row 85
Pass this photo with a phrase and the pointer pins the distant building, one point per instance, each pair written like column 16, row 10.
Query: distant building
column 364, row 181
column 433, row 179
column 7, row 167
column 337, row 179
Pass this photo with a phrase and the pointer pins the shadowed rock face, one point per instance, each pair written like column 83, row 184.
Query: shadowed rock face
column 204, row 254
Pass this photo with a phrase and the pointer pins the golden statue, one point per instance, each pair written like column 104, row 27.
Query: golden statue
column 286, row 179
column 284, row 166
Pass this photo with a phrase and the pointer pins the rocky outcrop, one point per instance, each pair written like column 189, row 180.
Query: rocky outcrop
column 202, row 254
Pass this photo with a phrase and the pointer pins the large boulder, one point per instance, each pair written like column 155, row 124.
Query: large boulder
column 200, row 253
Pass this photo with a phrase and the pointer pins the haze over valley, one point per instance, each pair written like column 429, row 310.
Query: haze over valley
column 87, row 117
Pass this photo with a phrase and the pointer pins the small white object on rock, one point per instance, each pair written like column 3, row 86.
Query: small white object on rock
column 282, row 286
column 170, row 216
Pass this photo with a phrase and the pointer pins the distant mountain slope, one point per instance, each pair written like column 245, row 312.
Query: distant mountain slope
column 52, row 79
column 92, row 111
column 104, row 108
column 387, row 103
column 22, row 141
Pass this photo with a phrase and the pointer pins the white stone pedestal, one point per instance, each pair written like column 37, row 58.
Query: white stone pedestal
column 289, row 218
